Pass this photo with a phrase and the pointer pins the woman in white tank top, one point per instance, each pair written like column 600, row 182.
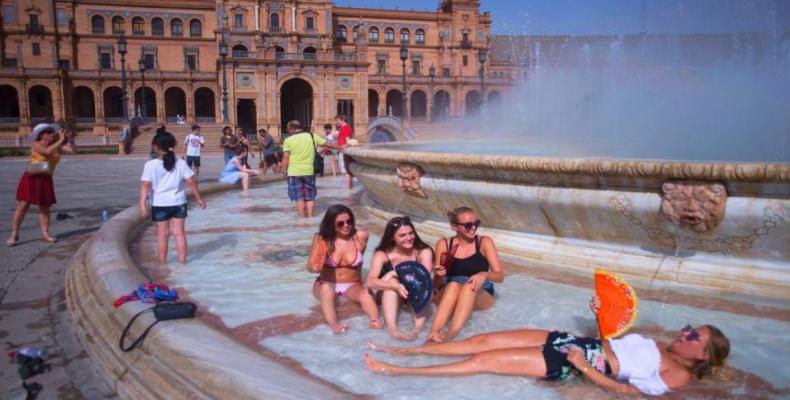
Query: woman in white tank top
column 631, row 364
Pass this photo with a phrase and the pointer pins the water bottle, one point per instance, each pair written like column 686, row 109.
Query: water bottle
column 34, row 352
column 105, row 215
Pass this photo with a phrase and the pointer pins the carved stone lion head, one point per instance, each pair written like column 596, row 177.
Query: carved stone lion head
column 409, row 179
column 694, row 204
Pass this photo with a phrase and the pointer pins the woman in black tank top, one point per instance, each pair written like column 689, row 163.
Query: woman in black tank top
column 399, row 243
column 471, row 264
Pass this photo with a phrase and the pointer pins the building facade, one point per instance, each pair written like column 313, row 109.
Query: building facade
column 247, row 63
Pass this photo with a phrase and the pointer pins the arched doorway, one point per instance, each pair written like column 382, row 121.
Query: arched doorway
column 472, row 102
column 373, row 103
column 494, row 99
column 113, row 104
column 441, row 105
column 83, row 103
column 395, row 103
column 175, row 104
column 380, row 135
column 419, row 107
column 149, row 111
column 246, row 115
column 204, row 105
column 9, row 107
column 296, row 102
column 40, row 99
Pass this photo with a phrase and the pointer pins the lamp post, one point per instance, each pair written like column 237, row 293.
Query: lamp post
column 432, row 74
column 223, row 53
column 124, row 94
column 143, row 112
column 404, row 55
column 481, row 56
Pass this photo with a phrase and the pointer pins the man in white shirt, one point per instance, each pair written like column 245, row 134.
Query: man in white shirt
column 192, row 145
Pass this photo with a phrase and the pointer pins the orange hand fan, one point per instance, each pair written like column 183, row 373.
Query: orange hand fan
column 619, row 304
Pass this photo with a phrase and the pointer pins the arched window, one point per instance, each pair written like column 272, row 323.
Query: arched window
column 341, row 35
column 97, row 24
column 373, row 34
column 138, row 26
column 118, row 26
column 404, row 35
column 389, row 35
column 157, row 27
column 309, row 53
column 195, row 28
column 240, row 51
column 420, row 36
column 355, row 33
column 176, row 27
column 274, row 20
column 309, row 23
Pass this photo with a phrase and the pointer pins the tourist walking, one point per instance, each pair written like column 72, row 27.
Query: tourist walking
column 193, row 143
column 237, row 169
column 161, row 130
column 399, row 243
column 36, row 186
column 336, row 255
column 469, row 264
column 268, row 151
column 241, row 139
column 343, row 135
column 228, row 143
column 298, row 163
column 331, row 137
column 165, row 177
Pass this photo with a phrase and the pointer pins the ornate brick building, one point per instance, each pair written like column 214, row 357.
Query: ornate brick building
column 309, row 60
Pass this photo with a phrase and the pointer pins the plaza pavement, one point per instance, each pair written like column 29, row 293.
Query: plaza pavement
column 32, row 296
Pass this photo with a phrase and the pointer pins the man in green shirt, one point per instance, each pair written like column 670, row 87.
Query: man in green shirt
column 299, row 154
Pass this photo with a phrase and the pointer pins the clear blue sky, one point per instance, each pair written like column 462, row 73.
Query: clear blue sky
column 615, row 16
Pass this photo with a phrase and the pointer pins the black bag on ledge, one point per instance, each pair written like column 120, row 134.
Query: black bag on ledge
column 162, row 312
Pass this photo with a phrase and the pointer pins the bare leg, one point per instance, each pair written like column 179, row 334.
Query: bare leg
column 177, row 229
column 447, row 299
column 245, row 181
column 349, row 181
column 360, row 294
column 43, row 223
column 16, row 221
column 325, row 294
column 300, row 208
column 310, row 205
column 419, row 320
column 467, row 298
column 514, row 361
column 162, row 236
column 196, row 170
column 390, row 303
column 475, row 344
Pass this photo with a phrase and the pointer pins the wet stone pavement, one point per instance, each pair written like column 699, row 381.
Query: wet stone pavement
column 32, row 274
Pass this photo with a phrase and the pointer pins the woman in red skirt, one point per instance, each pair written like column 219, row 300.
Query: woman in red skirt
column 35, row 186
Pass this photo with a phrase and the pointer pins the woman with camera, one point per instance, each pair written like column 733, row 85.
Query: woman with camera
column 36, row 185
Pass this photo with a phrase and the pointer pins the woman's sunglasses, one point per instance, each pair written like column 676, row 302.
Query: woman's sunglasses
column 344, row 222
column 397, row 222
column 469, row 225
column 691, row 333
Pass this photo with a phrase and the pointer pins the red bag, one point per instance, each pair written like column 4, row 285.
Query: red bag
column 318, row 252
column 445, row 260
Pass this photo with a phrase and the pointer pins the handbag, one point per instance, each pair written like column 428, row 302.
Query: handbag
column 162, row 312
column 38, row 168
column 318, row 160
column 445, row 260
column 318, row 253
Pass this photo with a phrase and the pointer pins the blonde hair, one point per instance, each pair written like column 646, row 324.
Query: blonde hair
column 456, row 212
column 718, row 349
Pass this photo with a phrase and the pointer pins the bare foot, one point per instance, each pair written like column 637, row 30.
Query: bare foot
column 48, row 239
column 377, row 366
column 376, row 324
column 400, row 335
column 435, row 337
column 388, row 349
column 338, row 328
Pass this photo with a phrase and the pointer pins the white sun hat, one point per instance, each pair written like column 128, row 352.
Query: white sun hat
column 43, row 127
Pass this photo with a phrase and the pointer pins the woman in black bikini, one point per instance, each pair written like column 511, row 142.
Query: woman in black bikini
column 341, row 274
column 473, row 266
column 399, row 243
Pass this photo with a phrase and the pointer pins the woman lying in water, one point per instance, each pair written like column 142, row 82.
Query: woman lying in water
column 400, row 243
column 632, row 364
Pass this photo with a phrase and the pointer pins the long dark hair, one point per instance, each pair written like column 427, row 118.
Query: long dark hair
column 327, row 231
column 167, row 142
column 388, row 238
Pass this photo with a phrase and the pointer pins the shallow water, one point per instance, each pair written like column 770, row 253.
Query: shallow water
column 246, row 270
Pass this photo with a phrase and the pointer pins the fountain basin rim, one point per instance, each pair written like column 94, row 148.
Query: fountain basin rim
column 660, row 169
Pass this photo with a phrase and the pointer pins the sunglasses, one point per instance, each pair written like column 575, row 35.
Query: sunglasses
column 344, row 223
column 397, row 222
column 469, row 225
column 691, row 333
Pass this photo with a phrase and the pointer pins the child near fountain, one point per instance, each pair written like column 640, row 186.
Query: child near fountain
column 164, row 178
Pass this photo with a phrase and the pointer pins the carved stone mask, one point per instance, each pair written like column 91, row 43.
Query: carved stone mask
column 409, row 179
column 697, row 205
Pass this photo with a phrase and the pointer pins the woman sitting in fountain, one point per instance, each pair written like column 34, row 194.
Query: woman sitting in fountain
column 466, row 264
column 632, row 364
column 336, row 255
column 400, row 243
column 237, row 169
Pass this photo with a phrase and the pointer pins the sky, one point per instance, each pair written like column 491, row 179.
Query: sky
column 551, row 17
